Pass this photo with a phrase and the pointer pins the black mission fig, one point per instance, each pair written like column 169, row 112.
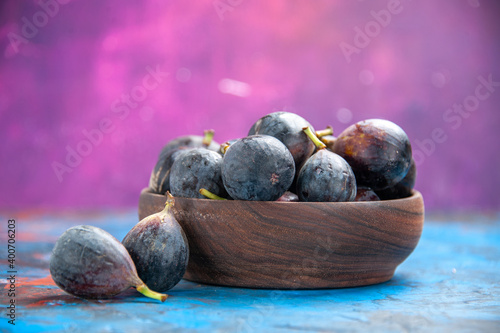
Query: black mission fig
column 325, row 177
column 287, row 127
column 159, row 249
column 195, row 169
column 378, row 151
column 257, row 167
column 90, row 263
column 159, row 181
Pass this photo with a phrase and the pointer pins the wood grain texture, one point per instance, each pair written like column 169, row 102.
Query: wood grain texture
column 294, row 245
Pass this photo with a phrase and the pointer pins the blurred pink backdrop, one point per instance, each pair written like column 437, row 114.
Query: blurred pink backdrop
column 91, row 90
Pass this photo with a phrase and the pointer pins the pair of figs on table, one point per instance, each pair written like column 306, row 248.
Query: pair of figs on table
column 89, row 262
column 283, row 158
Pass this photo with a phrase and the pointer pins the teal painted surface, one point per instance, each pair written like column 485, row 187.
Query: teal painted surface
column 449, row 283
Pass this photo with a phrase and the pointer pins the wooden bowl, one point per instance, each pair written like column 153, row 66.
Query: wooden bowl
column 294, row 245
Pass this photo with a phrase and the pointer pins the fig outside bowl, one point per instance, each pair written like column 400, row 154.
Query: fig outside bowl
column 294, row 245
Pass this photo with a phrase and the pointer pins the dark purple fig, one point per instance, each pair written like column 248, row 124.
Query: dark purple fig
column 289, row 197
column 287, row 127
column 366, row 194
column 159, row 249
column 191, row 141
column 402, row 189
column 378, row 151
column 90, row 263
column 325, row 177
column 258, row 167
column 159, row 181
column 195, row 169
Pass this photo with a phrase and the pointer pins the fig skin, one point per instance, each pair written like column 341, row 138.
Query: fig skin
column 159, row 248
column 188, row 141
column 88, row 262
column 159, row 181
column 402, row 189
column 326, row 177
column 195, row 169
column 378, row 151
column 366, row 194
column 289, row 197
column 257, row 167
column 287, row 127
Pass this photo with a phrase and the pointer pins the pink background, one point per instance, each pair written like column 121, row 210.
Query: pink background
column 68, row 68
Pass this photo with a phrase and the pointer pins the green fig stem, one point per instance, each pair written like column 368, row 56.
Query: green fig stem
column 327, row 131
column 314, row 138
column 210, row 195
column 209, row 136
column 143, row 289
column 327, row 141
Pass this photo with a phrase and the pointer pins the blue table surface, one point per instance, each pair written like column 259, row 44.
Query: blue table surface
column 450, row 283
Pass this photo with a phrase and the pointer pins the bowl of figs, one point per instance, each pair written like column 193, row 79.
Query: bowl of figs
column 289, row 207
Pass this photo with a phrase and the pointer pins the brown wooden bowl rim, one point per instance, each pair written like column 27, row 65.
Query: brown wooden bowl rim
column 415, row 195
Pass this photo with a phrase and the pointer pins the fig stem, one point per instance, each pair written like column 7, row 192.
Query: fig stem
column 143, row 289
column 209, row 136
column 327, row 141
column 327, row 131
column 210, row 195
column 314, row 138
column 170, row 199
column 223, row 147
column 169, row 203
